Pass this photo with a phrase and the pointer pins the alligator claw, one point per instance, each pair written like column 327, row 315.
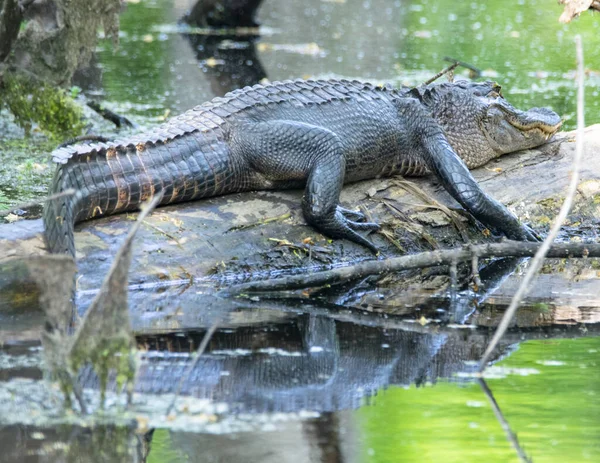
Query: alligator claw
column 531, row 234
column 350, row 214
column 370, row 226
column 348, row 229
column 524, row 233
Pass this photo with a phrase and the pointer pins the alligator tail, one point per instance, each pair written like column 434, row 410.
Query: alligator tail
column 113, row 178
column 59, row 216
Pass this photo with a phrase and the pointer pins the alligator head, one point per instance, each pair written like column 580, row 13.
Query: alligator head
column 481, row 125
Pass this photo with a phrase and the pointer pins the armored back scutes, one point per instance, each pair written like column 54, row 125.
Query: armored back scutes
column 212, row 115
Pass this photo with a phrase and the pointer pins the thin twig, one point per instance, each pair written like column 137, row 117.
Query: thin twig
column 536, row 262
column 510, row 435
column 476, row 72
column 450, row 68
column 111, row 116
column 161, row 231
column 419, row 260
column 190, row 368
column 245, row 226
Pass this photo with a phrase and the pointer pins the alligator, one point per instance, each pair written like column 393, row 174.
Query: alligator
column 316, row 134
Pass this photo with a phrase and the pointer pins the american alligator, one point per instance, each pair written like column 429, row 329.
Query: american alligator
column 312, row 134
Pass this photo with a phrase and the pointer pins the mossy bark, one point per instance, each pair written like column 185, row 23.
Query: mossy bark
column 57, row 37
column 35, row 102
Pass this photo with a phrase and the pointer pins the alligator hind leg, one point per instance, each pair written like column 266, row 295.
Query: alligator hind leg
column 288, row 151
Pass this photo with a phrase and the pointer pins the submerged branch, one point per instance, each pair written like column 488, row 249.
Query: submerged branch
column 545, row 249
column 111, row 116
column 419, row 260
column 510, row 435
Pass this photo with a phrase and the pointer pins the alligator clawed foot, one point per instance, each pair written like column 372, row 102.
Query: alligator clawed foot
column 531, row 234
column 524, row 233
column 342, row 227
column 351, row 215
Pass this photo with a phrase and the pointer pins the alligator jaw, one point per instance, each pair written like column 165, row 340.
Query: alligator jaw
column 508, row 129
column 540, row 121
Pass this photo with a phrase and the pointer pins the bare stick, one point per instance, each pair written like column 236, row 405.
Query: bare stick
column 510, row 435
column 190, row 368
column 111, row 116
column 450, row 68
column 476, row 72
column 536, row 262
column 419, row 260
column 84, row 138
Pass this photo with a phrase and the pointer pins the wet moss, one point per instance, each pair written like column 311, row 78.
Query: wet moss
column 117, row 355
column 34, row 102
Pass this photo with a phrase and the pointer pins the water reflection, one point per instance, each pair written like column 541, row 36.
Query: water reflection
column 302, row 380
column 529, row 53
column 229, row 62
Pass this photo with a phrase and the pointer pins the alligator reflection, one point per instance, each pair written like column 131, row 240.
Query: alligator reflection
column 308, row 362
column 230, row 61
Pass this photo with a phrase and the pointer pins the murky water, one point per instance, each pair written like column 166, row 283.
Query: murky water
column 304, row 385
column 521, row 45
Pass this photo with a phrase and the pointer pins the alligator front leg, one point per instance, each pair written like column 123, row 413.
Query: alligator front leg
column 289, row 151
column 458, row 181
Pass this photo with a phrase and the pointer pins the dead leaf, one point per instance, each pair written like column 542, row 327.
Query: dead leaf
column 11, row 218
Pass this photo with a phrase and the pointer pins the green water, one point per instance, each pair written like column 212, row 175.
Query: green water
column 554, row 410
column 519, row 44
column 550, row 400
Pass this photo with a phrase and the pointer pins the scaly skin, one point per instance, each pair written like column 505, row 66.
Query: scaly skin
column 313, row 134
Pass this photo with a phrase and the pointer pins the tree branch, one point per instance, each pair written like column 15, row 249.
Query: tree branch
column 419, row 260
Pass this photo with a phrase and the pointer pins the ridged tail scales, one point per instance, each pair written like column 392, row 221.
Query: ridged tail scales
column 109, row 179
